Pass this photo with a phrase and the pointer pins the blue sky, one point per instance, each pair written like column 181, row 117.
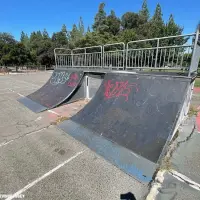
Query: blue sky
column 34, row 15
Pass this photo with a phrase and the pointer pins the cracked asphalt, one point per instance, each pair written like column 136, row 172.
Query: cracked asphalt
column 38, row 161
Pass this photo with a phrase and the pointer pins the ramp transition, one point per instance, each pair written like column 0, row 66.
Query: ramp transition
column 130, row 120
column 61, row 87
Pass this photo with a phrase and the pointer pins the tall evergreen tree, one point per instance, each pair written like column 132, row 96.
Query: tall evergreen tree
column 81, row 27
column 45, row 34
column 64, row 29
column 100, row 19
column 113, row 23
column 157, row 23
column 144, row 13
column 172, row 28
column 88, row 29
column 25, row 40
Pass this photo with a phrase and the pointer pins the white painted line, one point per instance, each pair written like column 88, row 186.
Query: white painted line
column 43, row 177
column 51, row 111
column 38, row 119
column 5, row 143
column 20, row 95
column 184, row 178
column 37, row 131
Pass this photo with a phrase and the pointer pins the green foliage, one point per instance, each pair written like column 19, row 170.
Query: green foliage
column 113, row 23
column 38, row 47
column 81, row 27
column 100, row 20
column 157, row 24
column 144, row 13
column 130, row 20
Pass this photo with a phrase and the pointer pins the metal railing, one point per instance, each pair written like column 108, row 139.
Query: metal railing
column 166, row 52
column 114, row 56
column 63, row 57
column 173, row 52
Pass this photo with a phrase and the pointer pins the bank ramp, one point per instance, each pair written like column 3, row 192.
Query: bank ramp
column 61, row 87
column 130, row 120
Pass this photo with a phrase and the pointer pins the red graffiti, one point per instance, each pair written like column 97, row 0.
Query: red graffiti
column 118, row 89
column 73, row 80
column 74, row 76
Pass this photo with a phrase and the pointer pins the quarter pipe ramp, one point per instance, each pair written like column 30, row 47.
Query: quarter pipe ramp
column 130, row 120
column 59, row 88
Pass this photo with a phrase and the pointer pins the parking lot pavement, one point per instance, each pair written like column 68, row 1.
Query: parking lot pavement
column 41, row 162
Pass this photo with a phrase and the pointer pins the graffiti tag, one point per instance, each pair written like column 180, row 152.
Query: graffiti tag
column 59, row 78
column 73, row 80
column 118, row 89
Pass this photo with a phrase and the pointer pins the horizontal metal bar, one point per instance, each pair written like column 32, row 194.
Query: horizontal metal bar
column 153, row 39
column 78, row 49
column 114, row 51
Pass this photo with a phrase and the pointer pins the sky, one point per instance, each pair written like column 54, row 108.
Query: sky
column 28, row 16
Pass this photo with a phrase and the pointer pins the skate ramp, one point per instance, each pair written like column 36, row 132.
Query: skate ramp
column 130, row 120
column 61, row 87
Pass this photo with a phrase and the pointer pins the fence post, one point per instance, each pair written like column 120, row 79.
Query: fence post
column 156, row 53
column 72, row 58
column 194, row 51
column 126, row 51
column 55, row 57
column 103, row 56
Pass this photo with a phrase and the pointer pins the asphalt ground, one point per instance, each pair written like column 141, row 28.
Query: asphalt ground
column 39, row 161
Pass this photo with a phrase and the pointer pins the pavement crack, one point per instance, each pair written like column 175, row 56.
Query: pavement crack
column 187, row 138
column 166, row 161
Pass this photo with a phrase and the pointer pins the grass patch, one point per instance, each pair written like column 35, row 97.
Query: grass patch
column 193, row 111
column 59, row 120
column 197, row 82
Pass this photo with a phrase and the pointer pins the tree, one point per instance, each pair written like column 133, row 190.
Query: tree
column 81, row 27
column 100, row 20
column 7, row 38
column 75, row 36
column 113, row 23
column 172, row 28
column 157, row 23
column 24, row 39
column 45, row 34
column 88, row 29
column 129, row 20
column 144, row 13
column 60, row 39
column 128, row 35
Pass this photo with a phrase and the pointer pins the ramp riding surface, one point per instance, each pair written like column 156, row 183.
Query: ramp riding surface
column 59, row 88
column 130, row 120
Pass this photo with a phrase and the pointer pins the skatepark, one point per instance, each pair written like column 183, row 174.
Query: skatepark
column 103, row 124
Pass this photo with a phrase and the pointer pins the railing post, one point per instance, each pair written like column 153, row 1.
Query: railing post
column 126, row 51
column 85, row 58
column 103, row 56
column 194, row 51
column 72, row 58
column 55, row 57
column 156, row 53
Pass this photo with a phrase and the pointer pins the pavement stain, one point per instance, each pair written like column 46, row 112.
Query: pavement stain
column 59, row 120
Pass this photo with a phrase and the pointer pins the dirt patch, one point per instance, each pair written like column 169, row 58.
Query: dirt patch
column 193, row 111
column 59, row 120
